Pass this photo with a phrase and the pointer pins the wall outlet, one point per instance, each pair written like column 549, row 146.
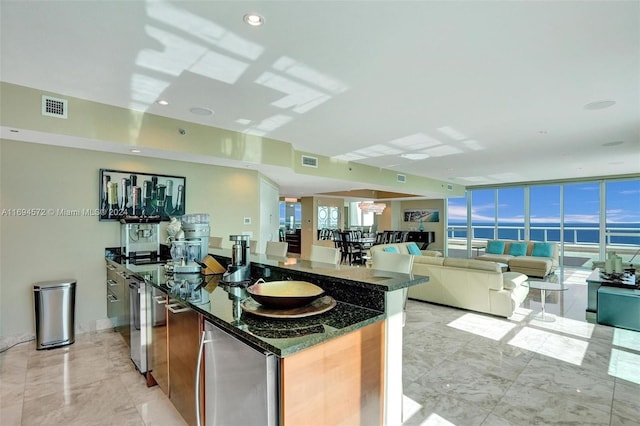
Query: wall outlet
column 247, row 221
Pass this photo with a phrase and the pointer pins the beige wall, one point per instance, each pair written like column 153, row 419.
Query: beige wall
column 440, row 228
column 39, row 248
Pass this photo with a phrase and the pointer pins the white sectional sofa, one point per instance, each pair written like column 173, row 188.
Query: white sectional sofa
column 475, row 285
column 536, row 259
column 469, row 284
column 403, row 248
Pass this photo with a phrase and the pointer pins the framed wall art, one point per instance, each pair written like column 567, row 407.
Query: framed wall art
column 424, row 215
column 125, row 194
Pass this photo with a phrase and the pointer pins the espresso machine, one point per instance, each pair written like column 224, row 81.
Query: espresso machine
column 188, row 253
column 239, row 271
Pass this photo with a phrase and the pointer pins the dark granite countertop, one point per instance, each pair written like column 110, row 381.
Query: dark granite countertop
column 359, row 293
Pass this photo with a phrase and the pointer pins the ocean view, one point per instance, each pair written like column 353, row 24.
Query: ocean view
column 578, row 233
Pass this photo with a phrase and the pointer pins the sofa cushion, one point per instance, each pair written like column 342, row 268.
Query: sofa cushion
column 414, row 249
column 391, row 249
column 542, row 250
column 518, row 249
column 429, row 260
column 495, row 247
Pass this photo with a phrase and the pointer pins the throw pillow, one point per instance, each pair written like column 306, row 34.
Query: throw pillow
column 495, row 247
column 414, row 249
column 542, row 250
column 518, row 249
column 390, row 249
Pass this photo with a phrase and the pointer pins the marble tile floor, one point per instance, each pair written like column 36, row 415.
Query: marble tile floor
column 90, row 382
column 464, row 368
column 460, row 368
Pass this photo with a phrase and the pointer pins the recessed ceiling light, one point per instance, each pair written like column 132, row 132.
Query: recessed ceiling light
column 243, row 121
column 200, row 111
column 599, row 105
column 135, row 151
column 162, row 102
column 613, row 143
column 253, row 19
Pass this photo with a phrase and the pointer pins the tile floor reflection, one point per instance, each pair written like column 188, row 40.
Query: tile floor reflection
column 90, row 382
column 465, row 368
column 460, row 368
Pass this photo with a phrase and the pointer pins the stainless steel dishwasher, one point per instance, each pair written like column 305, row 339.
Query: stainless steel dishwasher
column 240, row 381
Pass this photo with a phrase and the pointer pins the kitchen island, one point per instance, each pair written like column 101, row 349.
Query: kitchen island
column 342, row 366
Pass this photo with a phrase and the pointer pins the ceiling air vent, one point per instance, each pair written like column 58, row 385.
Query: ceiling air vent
column 309, row 161
column 54, row 107
column 402, row 178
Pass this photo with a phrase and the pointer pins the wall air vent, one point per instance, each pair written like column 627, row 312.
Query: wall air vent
column 309, row 161
column 402, row 178
column 54, row 107
column 449, row 187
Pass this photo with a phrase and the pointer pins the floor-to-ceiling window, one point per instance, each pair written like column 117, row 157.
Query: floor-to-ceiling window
column 483, row 214
column 582, row 214
column 544, row 213
column 622, row 224
column 510, row 207
column 571, row 213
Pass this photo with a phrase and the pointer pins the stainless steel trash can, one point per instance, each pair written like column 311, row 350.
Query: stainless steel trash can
column 55, row 306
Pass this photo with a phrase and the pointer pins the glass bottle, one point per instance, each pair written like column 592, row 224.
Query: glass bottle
column 160, row 195
column 179, row 210
column 132, row 182
column 168, row 200
column 105, row 192
column 112, row 210
column 147, row 206
column 154, row 192
column 136, row 205
column 124, row 185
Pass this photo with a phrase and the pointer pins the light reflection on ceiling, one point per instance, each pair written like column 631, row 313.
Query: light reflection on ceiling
column 203, row 29
column 187, row 42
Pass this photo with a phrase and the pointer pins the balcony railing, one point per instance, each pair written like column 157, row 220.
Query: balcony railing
column 581, row 236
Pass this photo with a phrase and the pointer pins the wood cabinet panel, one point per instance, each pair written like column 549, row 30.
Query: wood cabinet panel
column 184, row 341
column 339, row 382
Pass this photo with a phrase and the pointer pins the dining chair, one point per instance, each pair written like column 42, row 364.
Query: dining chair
column 215, row 242
column 394, row 262
column 277, row 248
column 325, row 254
column 351, row 250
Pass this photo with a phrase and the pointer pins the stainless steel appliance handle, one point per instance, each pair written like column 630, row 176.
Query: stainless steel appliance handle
column 198, row 373
column 160, row 300
column 173, row 309
column 111, row 283
column 112, row 298
column 198, row 368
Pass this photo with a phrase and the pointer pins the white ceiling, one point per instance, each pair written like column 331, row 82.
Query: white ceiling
column 491, row 92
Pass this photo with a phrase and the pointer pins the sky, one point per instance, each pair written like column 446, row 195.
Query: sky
column 581, row 203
